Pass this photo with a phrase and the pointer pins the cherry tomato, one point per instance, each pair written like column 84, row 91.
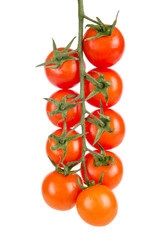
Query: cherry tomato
column 104, row 51
column 74, row 148
column 97, row 205
column 59, row 191
column 67, row 75
column 73, row 115
column 107, row 140
column 114, row 92
column 112, row 174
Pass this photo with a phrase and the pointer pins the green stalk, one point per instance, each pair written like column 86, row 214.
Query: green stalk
column 82, row 70
column 101, row 123
column 90, row 19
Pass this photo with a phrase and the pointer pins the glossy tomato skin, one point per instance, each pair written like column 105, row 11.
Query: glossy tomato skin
column 73, row 115
column 104, row 51
column 107, row 140
column 67, row 75
column 112, row 174
column 74, row 149
column 114, row 92
column 97, row 205
column 59, row 191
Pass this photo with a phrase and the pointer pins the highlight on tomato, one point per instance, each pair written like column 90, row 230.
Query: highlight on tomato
column 112, row 173
column 56, row 115
column 107, row 140
column 74, row 148
column 114, row 91
column 67, row 75
column 59, row 191
column 97, row 205
column 103, row 51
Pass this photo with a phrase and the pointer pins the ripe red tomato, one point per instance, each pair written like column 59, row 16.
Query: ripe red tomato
column 107, row 140
column 112, row 175
column 74, row 148
column 73, row 115
column 97, row 205
column 59, row 191
column 104, row 51
column 114, row 92
column 67, row 75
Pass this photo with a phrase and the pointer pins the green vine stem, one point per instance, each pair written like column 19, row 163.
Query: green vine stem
column 64, row 105
column 82, row 70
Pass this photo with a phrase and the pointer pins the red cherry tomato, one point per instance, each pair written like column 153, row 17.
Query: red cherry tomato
column 67, row 75
column 59, row 191
column 104, row 51
column 97, row 205
column 73, row 115
column 107, row 140
column 74, row 148
column 114, row 92
column 112, row 174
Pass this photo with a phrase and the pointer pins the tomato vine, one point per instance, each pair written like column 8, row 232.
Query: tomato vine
column 101, row 120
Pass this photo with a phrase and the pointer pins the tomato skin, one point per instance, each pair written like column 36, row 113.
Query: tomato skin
column 107, row 140
column 114, row 92
column 97, row 205
column 67, row 75
column 73, row 115
column 112, row 174
column 74, row 148
column 59, row 191
column 104, row 51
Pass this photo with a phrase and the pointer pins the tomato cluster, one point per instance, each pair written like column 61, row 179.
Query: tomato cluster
column 101, row 170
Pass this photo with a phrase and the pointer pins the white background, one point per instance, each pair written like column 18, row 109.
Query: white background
column 26, row 31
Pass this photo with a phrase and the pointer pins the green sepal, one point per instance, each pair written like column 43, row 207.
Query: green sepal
column 52, row 101
column 101, row 178
column 54, row 137
column 102, row 29
column 67, row 169
column 95, row 27
column 107, row 161
column 62, row 141
column 103, row 89
column 101, row 128
column 100, row 159
column 72, row 105
column 60, row 104
column 74, row 137
column 59, row 56
column 54, row 164
column 80, row 184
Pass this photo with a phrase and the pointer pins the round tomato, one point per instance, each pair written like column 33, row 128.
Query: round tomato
column 67, row 75
column 73, row 115
column 59, row 191
column 104, row 51
column 97, row 205
column 114, row 92
column 107, row 140
column 112, row 174
column 74, row 148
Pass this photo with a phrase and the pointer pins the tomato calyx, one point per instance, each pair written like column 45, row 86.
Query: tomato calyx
column 101, row 86
column 91, row 183
column 100, row 159
column 63, row 140
column 59, row 56
column 101, row 127
column 67, row 169
column 102, row 29
column 63, row 106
